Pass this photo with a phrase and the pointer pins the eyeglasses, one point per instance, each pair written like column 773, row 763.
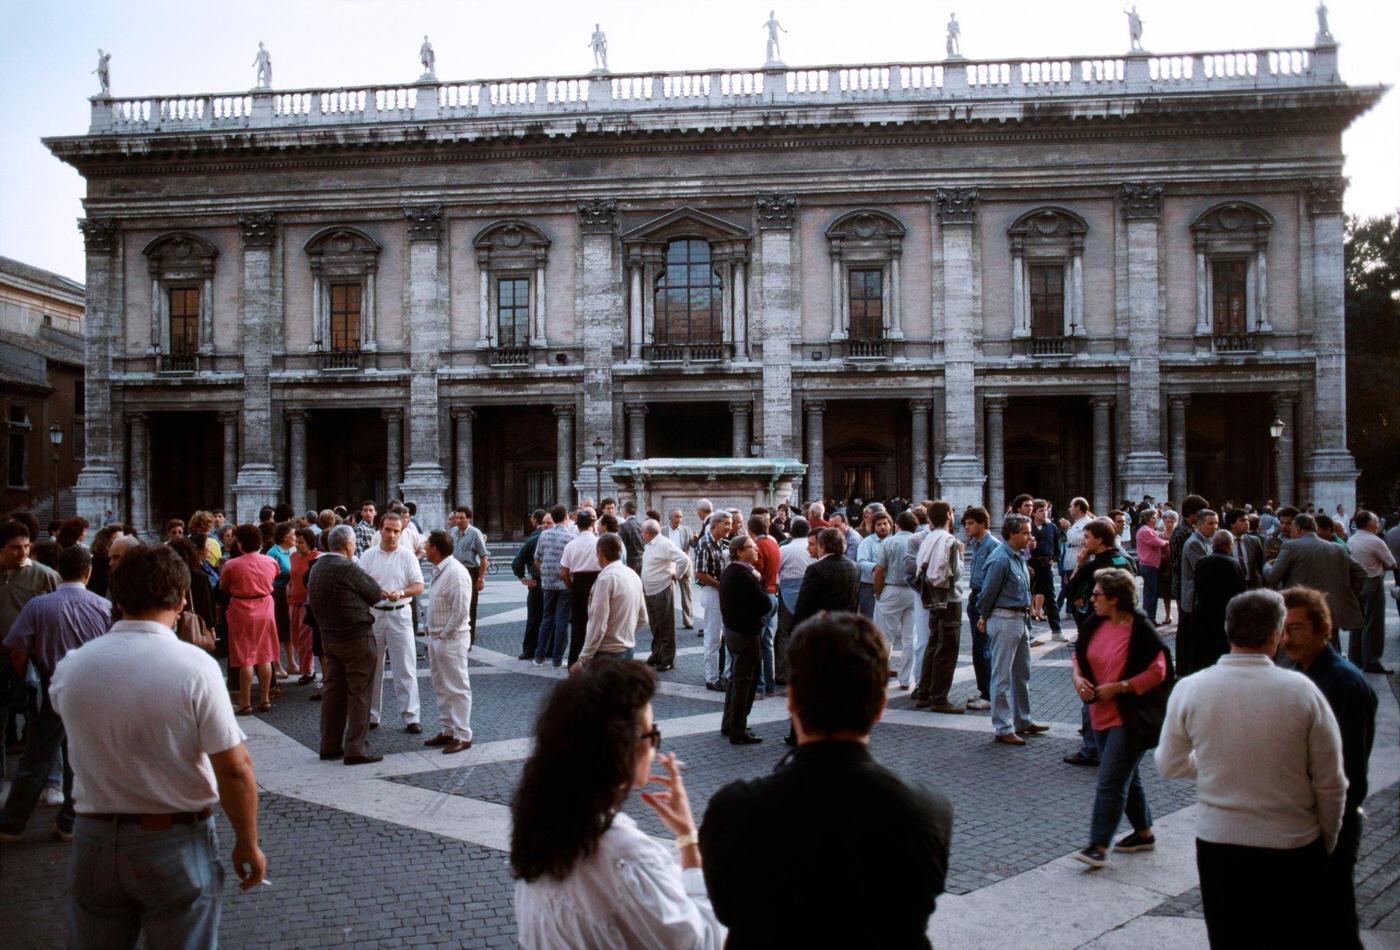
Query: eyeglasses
column 654, row 737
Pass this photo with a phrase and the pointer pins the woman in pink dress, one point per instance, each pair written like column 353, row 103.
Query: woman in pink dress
column 252, row 620
column 303, row 640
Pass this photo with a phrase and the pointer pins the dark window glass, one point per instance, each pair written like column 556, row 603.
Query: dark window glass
column 1047, row 300
column 867, row 302
column 858, row 481
column 18, row 415
column 513, row 311
column 79, row 397
column 184, row 321
column 14, row 468
column 1227, row 281
column 689, row 296
column 345, row 317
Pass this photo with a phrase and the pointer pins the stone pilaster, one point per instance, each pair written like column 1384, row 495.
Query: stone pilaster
column 636, row 430
column 777, row 279
column 140, row 447
column 466, row 458
column 1177, row 433
column 393, row 452
column 960, row 475
column 296, row 460
column 229, row 420
column 1284, row 478
column 996, row 457
column 258, row 482
column 814, row 486
column 739, row 429
column 599, row 324
column 919, row 410
column 1103, row 453
column 99, row 486
column 1331, row 470
column 424, row 481
column 1145, row 469
column 564, row 454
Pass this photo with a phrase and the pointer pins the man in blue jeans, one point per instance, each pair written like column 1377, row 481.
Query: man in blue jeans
column 554, row 617
column 980, row 544
column 149, row 765
column 1003, row 604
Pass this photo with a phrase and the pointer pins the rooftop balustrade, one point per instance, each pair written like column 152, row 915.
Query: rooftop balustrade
column 954, row 80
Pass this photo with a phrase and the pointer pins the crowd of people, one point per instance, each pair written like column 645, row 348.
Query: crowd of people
column 826, row 606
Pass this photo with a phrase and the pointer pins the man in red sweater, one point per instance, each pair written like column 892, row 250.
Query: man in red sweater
column 768, row 557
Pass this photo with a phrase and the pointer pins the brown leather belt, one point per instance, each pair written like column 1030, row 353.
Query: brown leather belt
column 153, row 822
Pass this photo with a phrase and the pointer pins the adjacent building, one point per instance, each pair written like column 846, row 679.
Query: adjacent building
column 1113, row 276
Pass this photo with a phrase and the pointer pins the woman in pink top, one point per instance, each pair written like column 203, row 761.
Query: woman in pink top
column 1124, row 671
column 1150, row 546
column 302, row 638
column 252, row 620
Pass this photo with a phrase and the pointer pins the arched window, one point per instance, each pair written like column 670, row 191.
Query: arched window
column 344, row 265
column 181, row 266
column 865, row 249
column 1047, row 280
column 1232, row 297
column 511, row 255
column 689, row 295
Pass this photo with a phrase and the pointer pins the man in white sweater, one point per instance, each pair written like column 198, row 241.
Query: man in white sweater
column 1264, row 748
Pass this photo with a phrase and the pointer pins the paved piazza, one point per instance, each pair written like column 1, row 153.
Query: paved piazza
column 412, row 851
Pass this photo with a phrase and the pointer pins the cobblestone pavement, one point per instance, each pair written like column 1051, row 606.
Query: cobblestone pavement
column 412, row 852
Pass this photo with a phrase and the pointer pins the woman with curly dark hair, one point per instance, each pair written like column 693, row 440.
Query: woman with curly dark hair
column 587, row 875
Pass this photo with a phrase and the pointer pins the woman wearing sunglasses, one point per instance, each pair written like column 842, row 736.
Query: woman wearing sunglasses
column 587, row 876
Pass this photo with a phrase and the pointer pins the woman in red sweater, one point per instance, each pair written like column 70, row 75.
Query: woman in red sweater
column 1124, row 671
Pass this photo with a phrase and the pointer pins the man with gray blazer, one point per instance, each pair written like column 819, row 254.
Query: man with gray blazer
column 1309, row 561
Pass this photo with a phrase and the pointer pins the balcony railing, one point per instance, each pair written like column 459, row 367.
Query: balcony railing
column 506, row 356
column 1050, row 346
column 1234, row 342
column 179, row 363
column 951, row 80
column 340, row 359
column 686, row 352
column 867, row 349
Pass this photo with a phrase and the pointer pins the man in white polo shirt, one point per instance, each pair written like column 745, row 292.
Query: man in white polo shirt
column 450, row 598
column 1266, row 753
column 148, row 765
column 578, row 569
column 394, row 567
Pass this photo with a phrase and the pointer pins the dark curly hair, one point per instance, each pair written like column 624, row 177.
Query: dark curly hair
column 580, row 770
column 249, row 538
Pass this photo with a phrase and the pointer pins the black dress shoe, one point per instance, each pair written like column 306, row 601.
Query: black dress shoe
column 744, row 738
column 1377, row 668
column 790, row 739
column 666, row 668
column 413, row 729
column 332, row 756
column 374, row 725
column 367, row 759
column 714, row 687
column 1080, row 759
column 526, row 656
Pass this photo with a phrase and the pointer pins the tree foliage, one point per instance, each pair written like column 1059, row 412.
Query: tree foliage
column 1373, row 355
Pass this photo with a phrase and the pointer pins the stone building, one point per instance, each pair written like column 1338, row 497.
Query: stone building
column 1109, row 275
column 41, row 389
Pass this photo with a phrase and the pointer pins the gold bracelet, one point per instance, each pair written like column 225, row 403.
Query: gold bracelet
column 686, row 840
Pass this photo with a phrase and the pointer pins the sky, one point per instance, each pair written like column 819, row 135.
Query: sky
column 48, row 51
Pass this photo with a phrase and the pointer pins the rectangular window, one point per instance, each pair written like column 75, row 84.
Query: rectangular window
column 1227, row 281
column 1047, row 300
column 18, row 415
column 79, row 398
column 867, row 303
column 184, row 321
column 858, row 481
column 513, row 311
column 14, row 460
column 345, row 317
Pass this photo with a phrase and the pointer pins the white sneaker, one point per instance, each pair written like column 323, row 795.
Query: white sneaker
column 977, row 702
column 52, row 796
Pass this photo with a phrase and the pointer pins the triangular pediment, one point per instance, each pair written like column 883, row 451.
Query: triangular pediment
column 685, row 222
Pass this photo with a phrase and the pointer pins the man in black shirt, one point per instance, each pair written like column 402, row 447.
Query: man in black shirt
column 846, row 876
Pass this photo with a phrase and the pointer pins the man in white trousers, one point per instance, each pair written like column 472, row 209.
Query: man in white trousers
column 395, row 569
column 450, row 595
column 711, row 558
column 895, row 602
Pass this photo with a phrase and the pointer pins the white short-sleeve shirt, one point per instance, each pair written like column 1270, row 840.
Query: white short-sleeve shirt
column 392, row 570
column 143, row 749
column 581, row 554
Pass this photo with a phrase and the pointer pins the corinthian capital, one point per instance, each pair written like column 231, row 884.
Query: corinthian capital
column 259, row 228
column 957, row 205
column 775, row 211
column 1325, row 195
column 1142, row 201
column 424, row 222
column 597, row 214
column 99, row 234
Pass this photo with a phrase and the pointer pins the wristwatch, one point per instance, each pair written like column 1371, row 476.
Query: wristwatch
column 686, row 840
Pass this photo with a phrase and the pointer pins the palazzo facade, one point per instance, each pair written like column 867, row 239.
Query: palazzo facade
column 1110, row 275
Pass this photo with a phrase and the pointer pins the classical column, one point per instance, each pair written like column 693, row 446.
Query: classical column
column 601, row 304
column 465, row 459
column 393, row 443
column 838, row 314
column 815, row 482
column 1202, row 290
column 140, row 474
column 1331, row 471
column 636, row 430
column 1145, row 469
column 483, row 340
column 919, row 410
column 778, row 277
column 960, row 475
column 1020, row 320
column 564, row 454
column 634, row 311
column 541, row 340
column 996, row 458
column 99, row 486
column 259, row 482
column 1284, row 404
column 739, row 429
column 1103, row 453
column 296, row 459
column 424, row 480
column 896, row 331
column 229, row 420
column 1177, row 403
column 741, row 310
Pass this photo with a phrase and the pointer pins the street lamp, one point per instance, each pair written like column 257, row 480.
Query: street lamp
column 55, row 439
column 598, row 446
column 1276, row 427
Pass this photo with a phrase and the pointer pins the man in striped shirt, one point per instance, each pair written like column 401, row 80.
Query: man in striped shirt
column 450, row 597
